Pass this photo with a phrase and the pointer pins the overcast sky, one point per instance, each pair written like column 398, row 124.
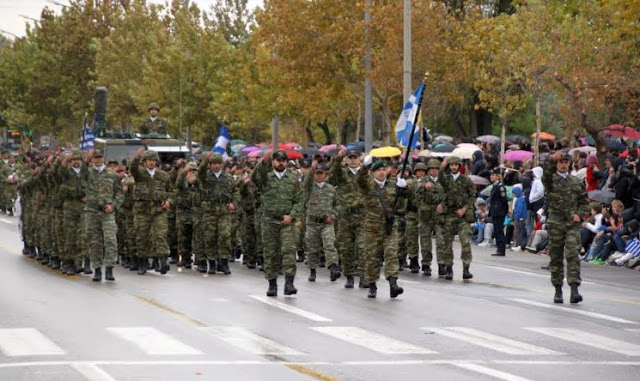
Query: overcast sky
column 11, row 11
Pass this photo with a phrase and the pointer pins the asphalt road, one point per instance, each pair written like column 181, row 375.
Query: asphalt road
column 184, row 326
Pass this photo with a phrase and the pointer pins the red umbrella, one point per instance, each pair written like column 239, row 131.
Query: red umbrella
column 282, row 146
column 623, row 131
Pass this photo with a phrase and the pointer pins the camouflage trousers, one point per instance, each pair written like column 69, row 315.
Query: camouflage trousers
column 150, row 222
column 172, row 237
column 10, row 194
column 258, row 228
column 217, row 232
column 564, row 244
column 47, row 230
column 279, row 242
column 320, row 238
column 350, row 243
column 120, row 233
column 236, row 237
column 197, row 234
column 430, row 227
column 28, row 221
column 452, row 225
column 185, row 232
column 378, row 247
column 130, row 234
column 74, row 230
column 102, row 238
column 411, row 234
column 59, row 233
column 248, row 229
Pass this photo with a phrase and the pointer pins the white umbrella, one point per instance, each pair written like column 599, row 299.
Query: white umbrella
column 425, row 153
column 465, row 152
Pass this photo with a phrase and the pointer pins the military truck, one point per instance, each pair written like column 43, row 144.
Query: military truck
column 125, row 148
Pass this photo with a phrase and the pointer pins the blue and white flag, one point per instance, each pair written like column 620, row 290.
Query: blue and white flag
column 87, row 137
column 223, row 141
column 405, row 122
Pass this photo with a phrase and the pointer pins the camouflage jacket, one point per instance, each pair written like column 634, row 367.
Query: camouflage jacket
column 320, row 202
column 159, row 126
column 103, row 188
column 148, row 188
column 427, row 200
column 73, row 185
column 216, row 191
column 459, row 193
column 248, row 196
column 378, row 202
column 279, row 196
column 348, row 191
column 567, row 196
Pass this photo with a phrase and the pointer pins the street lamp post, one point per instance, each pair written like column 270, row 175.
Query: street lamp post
column 368, row 103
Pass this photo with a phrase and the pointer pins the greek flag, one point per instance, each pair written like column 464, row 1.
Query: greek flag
column 405, row 122
column 87, row 137
column 633, row 247
column 222, row 142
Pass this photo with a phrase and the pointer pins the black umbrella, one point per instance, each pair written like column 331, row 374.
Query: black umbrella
column 517, row 139
column 602, row 196
column 443, row 147
column 310, row 151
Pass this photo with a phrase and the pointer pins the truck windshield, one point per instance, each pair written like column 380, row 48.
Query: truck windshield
column 121, row 152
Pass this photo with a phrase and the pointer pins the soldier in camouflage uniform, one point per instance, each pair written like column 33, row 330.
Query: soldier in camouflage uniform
column 186, row 185
column 128, row 233
column 171, row 214
column 27, row 188
column 152, row 200
column 281, row 203
column 411, row 230
column 219, row 201
column 320, row 210
column 567, row 204
column 73, row 183
column 380, row 228
column 458, row 214
column 350, row 214
column 430, row 197
column 9, row 178
column 154, row 124
column 104, row 196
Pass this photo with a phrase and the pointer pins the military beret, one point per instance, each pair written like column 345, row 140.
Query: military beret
column 216, row 158
column 377, row 165
column 280, row 155
column 322, row 167
column 352, row 153
column 98, row 153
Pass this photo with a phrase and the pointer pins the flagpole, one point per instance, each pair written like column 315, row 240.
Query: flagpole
column 409, row 145
column 82, row 137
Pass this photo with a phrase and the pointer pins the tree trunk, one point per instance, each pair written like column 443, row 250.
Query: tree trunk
column 536, row 143
column 344, row 131
column 309, row 132
column 325, row 129
column 503, row 141
column 359, row 122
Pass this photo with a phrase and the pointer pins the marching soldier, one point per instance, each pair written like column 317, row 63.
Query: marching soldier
column 152, row 200
column 104, row 196
column 320, row 216
column 281, row 206
column 73, row 179
column 430, row 197
column 219, row 201
column 248, row 210
column 460, row 194
column 185, row 187
column 9, row 176
column 567, row 203
column 380, row 228
column 154, row 123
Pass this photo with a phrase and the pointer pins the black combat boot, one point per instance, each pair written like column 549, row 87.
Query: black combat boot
column 173, row 257
column 34, row 252
column 323, row 262
column 335, row 272
column 55, row 263
column 45, row 259
column 362, row 283
column 186, row 262
column 155, row 264
column 25, row 249
column 108, row 273
column 71, row 268
column 312, row 275
column 414, row 265
column 97, row 274
column 224, row 266
column 143, row 263
column 394, row 289
column 289, row 288
column 133, row 263
column 466, row 274
column 212, row 267
column 426, row 270
column 301, row 256
column 373, row 290
column 273, row 288
column 87, row 266
column 40, row 255
column 442, row 270
column 164, row 266
column 575, row 295
column 557, row 297
column 125, row 262
column 202, row 266
column 401, row 264
column 449, row 274
column 350, row 282
column 251, row 265
column 260, row 263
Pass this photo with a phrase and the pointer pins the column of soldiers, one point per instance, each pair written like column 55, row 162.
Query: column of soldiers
column 81, row 215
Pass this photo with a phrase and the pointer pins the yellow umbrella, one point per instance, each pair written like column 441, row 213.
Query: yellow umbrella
column 385, row 152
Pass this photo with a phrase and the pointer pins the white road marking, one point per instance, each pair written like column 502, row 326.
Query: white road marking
column 153, row 342
column 249, row 341
column 6, row 221
column 292, row 309
column 92, row 372
column 372, row 341
column 491, row 372
column 490, row 341
column 591, row 340
column 402, row 280
column 575, row 311
column 27, row 342
column 27, row 364
column 220, row 300
column 528, row 273
column 636, row 330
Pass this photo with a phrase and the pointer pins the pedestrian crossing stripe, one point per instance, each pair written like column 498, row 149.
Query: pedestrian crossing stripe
column 249, row 341
column 373, row 341
column 27, row 342
column 590, row 339
column 490, row 341
column 153, row 342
